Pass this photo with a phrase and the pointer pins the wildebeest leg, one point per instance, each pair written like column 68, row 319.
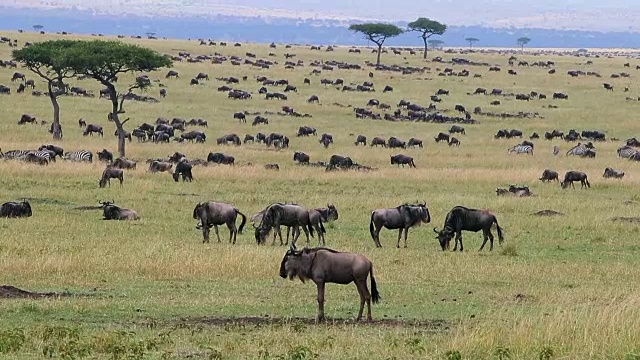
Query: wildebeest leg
column 377, row 236
column 399, row 236
column 490, row 240
column 484, row 235
column 217, row 235
column 306, row 233
column 205, row 231
column 320, row 315
column 406, row 232
column 364, row 296
column 458, row 238
column 232, row 231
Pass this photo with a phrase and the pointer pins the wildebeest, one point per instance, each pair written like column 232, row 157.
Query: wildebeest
column 549, row 175
column 613, row 173
column 240, row 116
column 396, row 143
column 194, row 135
column 111, row 173
column 278, row 214
column 413, row 142
column 461, row 218
column 123, row 163
column 248, row 138
column 15, row 209
column 442, row 137
column 25, row 118
column 91, row 128
column 306, row 131
column 323, row 265
column 18, row 76
column 403, row 160
column 105, row 155
column 183, row 168
column 339, row 161
column 114, row 212
column 212, row 213
column 220, row 158
column 402, row 217
column 229, row 138
column 454, row 141
column 260, row 120
column 160, row 166
column 571, row 176
column 361, row 139
column 202, row 76
column 456, row 129
column 57, row 150
column 378, row 141
column 301, row 157
column 559, row 95
column 313, row 98
column 163, row 92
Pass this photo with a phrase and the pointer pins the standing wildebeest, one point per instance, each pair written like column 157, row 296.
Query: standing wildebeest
column 163, row 92
column 313, row 98
column 402, row 217
column 549, row 175
column 462, row 218
column 327, row 137
column 248, row 138
column 454, row 141
column 202, row 76
column 403, row 160
column 123, row 163
column 18, row 76
column 220, row 158
column 260, row 120
column 16, row 209
column 378, row 141
column 306, row 131
column 456, row 129
column 291, row 215
column 111, row 173
column 114, row 212
column 413, row 142
column 58, row 151
column 396, row 143
column 183, row 168
column 325, row 142
column 240, row 116
column 442, row 137
column 211, row 214
column 571, row 176
column 91, row 128
column 361, row 139
column 323, row 265
column 613, row 173
column 105, row 155
column 301, row 157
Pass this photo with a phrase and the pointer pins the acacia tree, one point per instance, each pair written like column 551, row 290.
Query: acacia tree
column 46, row 59
column 103, row 61
column 38, row 27
column 436, row 43
column 522, row 41
column 377, row 33
column 427, row 28
column 472, row 41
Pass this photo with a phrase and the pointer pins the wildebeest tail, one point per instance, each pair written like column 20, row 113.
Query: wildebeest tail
column 309, row 226
column 375, row 295
column 322, row 227
column 499, row 229
column 244, row 221
column 587, row 182
column 371, row 227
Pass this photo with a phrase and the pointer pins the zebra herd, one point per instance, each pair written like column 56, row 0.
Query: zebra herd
column 44, row 156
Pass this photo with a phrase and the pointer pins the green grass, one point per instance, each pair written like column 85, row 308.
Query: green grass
column 560, row 287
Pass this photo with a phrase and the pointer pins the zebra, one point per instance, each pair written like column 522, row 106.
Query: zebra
column 16, row 154
column 521, row 149
column 48, row 155
column 556, row 150
column 82, row 155
column 581, row 150
column 626, row 152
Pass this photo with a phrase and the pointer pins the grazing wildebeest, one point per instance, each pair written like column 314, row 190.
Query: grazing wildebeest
column 248, row 138
column 278, row 214
column 396, row 143
column 462, row 218
column 608, row 86
column 403, row 160
column 15, row 209
column 193, row 135
column 163, row 92
column 613, row 173
column 313, row 98
column 91, row 128
column 339, row 161
column 5, row 90
column 326, row 136
column 160, row 166
column 325, row 142
column 172, row 74
column 219, row 158
column 211, row 214
column 402, row 217
column 18, row 76
column 571, row 176
column 319, row 215
column 122, row 163
column 202, row 76
column 442, row 137
column 301, row 157
column 361, row 139
column 454, row 141
column 549, row 175
column 25, row 118
column 323, row 265
column 413, row 142
column 460, row 108
column 240, row 116
column 183, row 168
column 456, row 129
column 378, row 141
column 260, row 120
column 306, row 131
column 111, row 173
column 114, row 212
column 534, row 136
column 558, row 95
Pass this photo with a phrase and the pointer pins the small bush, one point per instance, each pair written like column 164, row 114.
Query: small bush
column 453, row 355
column 509, row 250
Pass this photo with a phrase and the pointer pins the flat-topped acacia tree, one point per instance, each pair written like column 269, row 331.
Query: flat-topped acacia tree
column 377, row 33
column 103, row 61
column 46, row 59
column 427, row 28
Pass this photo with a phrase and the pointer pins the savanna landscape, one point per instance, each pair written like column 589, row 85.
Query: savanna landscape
column 560, row 286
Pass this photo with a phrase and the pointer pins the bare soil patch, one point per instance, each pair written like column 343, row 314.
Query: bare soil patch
column 626, row 219
column 548, row 213
column 12, row 292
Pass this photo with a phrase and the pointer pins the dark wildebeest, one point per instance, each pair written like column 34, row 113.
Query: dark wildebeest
column 123, row 163
column 18, row 76
column 396, row 143
column 313, row 98
column 240, row 116
column 325, row 142
column 160, row 166
column 633, row 142
column 323, row 265
column 454, row 141
column 300, row 157
column 114, row 212
column 442, row 137
column 361, row 139
column 572, row 176
column 413, row 142
column 15, row 209
column 549, row 175
column 111, row 173
column 211, row 214
column 202, row 76
column 260, row 120
column 172, row 74
column 462, row 218
column 25, row 118
column 248, row 138
column 91, row 128
column 403, row 160
column 339, row 161
column 291, row 215
column 306, row 131
column 183, row 168
column 163, row 92
column 105, row 155
column 402, row 217
column 613, row 173
column 460, row 108
column 326, row 136
column 456, row 129
column 220, row 158
column 57, row 150
column 378, row 141
column 319, row 215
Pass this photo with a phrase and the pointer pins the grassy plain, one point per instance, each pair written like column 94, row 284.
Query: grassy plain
column 561, row 287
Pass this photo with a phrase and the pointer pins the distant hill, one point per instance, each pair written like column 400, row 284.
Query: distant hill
column 288, row 30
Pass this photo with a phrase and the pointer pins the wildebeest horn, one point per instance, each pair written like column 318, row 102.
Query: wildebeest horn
column 435, row 231
column 424, row 203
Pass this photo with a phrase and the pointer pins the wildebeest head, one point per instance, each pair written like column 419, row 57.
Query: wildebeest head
column 295, row 263
column 261, row 233
column 414, row 214
column 444, row 237
column 332, row 213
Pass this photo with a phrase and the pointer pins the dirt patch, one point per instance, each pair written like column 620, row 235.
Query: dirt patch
column 626, row 219
column 548, row 213
column 12, row 292
column 87, row 207
column 432, row 325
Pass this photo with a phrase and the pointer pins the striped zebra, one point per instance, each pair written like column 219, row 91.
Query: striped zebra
column 82, row 155
column 626, row 152
column 47, row 155
column 521, row 149
column 581, row 150
column 16, row 154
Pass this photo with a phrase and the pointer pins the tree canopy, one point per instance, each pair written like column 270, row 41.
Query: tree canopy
column 522, row 41
column 427, row 28
column 377, row 33
column 472, row 40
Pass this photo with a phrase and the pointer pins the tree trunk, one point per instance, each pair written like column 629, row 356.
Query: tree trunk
column 120, row 108
column 379, row 51
column 116, row 120
column 56, row 129
column 424, row 38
